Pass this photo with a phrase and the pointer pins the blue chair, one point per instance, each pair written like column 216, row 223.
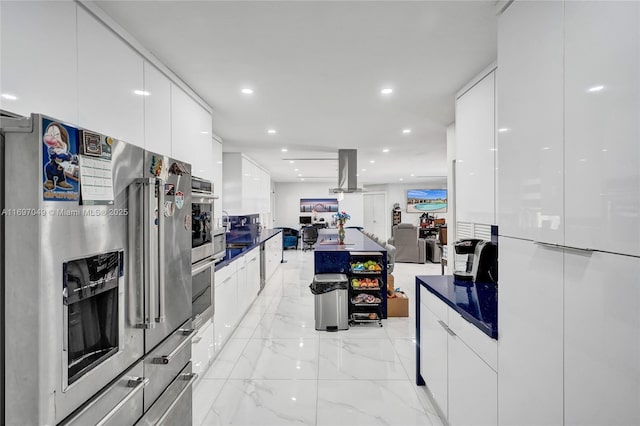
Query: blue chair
column 289, row 237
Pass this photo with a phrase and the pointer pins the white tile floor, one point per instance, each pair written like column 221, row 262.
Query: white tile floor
column 276, row 369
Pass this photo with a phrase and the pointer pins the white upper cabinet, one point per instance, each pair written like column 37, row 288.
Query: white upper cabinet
column 109, row 72
column 244, row 190
column 602, row 339
column 157, row 111
column 475, row 153
column 530, row 121
column 602, row 111
column 38, row 57
column 191, row 133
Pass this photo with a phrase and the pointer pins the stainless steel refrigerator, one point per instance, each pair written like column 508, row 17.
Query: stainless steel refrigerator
column 96, row 278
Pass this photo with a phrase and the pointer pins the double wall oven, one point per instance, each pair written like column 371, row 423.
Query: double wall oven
column 204, row 253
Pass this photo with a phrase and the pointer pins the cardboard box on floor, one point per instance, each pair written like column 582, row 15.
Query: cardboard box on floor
column 397, row 306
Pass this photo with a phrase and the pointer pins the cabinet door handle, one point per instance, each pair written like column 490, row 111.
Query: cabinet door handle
column 446, row 327
column 559, row 246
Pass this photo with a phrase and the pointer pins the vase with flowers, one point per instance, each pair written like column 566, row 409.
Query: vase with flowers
column 341, row 218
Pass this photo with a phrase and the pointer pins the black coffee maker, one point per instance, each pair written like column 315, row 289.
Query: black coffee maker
column 482, row 261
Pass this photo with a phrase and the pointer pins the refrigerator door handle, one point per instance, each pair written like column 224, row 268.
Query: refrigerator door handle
column 191, row 377
column 166, row 359
column 137, row 383
column 161, row 258
column 140, row 223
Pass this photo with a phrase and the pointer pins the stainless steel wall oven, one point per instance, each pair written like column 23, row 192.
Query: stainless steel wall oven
column 202, row 251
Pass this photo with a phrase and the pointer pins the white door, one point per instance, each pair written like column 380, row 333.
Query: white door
column 374, row 215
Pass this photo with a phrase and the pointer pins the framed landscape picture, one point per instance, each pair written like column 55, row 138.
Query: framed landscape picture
column 427, row 201
column 319, row 205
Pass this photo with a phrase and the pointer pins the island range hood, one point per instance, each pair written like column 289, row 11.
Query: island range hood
column 347, row 171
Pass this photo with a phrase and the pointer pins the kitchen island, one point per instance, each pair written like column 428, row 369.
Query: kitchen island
column 331, row 257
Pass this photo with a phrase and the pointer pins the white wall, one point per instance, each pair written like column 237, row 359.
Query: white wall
column 397, row 193
column 287, row 196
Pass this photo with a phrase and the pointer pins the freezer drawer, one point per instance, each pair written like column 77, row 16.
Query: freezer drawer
column 165, row 362
column 118, row 404
column 173, row 407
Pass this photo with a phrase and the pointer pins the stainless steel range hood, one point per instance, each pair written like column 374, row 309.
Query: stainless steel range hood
column 347, row 171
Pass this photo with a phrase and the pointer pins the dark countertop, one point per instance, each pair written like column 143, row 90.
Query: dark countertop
column 252, row 240
column 354, row 240
column 476, row 302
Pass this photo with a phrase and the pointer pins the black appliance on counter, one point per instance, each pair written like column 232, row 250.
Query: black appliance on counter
column 482, row 260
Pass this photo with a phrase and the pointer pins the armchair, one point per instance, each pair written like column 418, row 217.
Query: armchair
column 409, row 248
column 289, row 237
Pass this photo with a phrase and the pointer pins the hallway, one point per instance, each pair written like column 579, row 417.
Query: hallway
column 277, row 369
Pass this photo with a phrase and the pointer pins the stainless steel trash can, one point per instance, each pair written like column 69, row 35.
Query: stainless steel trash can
column 331, row 301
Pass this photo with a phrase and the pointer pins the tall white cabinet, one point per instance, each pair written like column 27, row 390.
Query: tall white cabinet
column 568, row 213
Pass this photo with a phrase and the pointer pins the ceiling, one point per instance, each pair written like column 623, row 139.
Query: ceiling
column 317, row 68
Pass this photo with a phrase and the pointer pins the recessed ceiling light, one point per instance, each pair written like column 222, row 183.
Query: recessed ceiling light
column 9, row 97
column 372, row 161
column 406, row 131
column 595, row 89
column 364, row 170
column 302, row 179
column 219, row 162
column 604, row 150
column 272, row 131
column 291, row 161
column 503, row 129
column 247, row 91
column 299, row 174
column 357, row 174
column 284, row 150
column 385, row 150
column 386, row 91
column 413, row 174
column 296, row 170
column 204, row 133
column 141, row 92
column 401, row 179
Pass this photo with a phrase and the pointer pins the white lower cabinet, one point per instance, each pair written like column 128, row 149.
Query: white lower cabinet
column 202, row 348
column 473, row 387
column 433, row 356
column 461, row 381
column 237, row 286
column 273, row 255
column 602, row 339
column 226, row 300
column 253, row 274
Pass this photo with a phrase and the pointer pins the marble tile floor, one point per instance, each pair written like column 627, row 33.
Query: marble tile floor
column 276, row 369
